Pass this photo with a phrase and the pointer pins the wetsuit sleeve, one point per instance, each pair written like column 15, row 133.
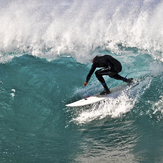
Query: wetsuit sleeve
column 91, row 72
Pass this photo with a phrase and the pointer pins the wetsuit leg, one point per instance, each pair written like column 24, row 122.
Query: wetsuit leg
column 107, row 71
column 100, row 73
column 116, row 76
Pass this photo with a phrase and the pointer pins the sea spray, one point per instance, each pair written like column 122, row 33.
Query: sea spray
column 78, row 28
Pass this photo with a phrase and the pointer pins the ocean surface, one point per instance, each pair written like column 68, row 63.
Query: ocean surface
column 46, row 49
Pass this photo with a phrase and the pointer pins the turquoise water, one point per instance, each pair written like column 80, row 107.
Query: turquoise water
column 45, row 54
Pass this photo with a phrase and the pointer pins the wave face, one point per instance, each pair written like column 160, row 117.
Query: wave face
column 45, row 53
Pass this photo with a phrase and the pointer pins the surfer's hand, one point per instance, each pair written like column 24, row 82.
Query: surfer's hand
column 85, row 84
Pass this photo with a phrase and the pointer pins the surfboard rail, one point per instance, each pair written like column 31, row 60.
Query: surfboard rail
column 97, row 97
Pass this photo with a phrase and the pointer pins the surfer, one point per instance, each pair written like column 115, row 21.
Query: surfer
column 110, row 66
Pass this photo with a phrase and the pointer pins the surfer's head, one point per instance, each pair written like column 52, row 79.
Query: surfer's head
column 93, row 60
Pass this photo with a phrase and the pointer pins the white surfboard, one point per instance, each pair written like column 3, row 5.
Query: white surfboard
column 97, row 97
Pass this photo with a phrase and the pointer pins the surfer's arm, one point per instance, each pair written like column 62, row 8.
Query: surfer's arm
column 90, row 74
column 85, row 84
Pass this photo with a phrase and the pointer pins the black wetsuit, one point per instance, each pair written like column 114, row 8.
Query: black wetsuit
column 110, row 66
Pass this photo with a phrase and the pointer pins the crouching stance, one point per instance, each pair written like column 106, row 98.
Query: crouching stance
column 110, row 66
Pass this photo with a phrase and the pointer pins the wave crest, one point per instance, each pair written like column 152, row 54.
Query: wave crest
column 79, row 28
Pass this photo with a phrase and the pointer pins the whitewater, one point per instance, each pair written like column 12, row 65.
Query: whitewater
column 46, row 48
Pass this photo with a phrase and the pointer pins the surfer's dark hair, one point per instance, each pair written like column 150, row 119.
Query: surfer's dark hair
column 94, row 59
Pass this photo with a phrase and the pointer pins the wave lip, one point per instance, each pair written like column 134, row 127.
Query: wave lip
column 79, row 28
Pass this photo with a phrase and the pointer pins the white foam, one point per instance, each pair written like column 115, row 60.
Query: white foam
column 77, row 28
column 113, row 107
